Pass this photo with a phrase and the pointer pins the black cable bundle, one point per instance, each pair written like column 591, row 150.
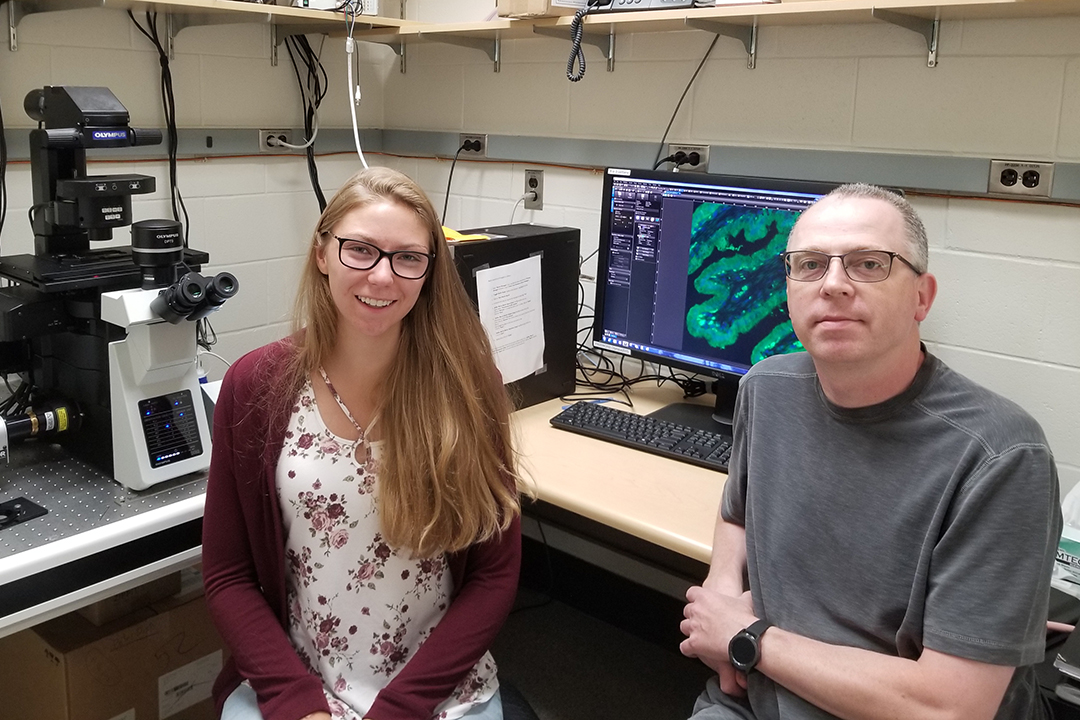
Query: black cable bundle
column 601, row 377
column 18, row 399
column 312, row 92
column 205, row 337
column 169, row 105
column 3, row 173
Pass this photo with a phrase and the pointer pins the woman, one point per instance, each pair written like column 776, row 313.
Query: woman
column 361, row 540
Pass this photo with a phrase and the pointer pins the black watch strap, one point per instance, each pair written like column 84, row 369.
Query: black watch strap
column 744, row 649
column 758, row 628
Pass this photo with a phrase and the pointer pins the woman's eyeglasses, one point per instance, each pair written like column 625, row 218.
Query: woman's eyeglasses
column 360, row 255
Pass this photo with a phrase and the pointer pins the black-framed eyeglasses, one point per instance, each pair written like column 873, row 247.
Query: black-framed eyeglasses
column 360, row 255
column 864, row 266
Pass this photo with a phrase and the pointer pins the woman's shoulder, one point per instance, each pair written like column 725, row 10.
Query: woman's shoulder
column 260, row 367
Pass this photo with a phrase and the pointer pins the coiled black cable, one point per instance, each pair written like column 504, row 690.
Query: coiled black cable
column 577, row 32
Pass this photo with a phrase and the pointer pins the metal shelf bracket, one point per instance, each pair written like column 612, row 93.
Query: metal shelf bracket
column 18, row 9
column 173, row 25
column 746, row 34
column 606, row 43
column 14, row 15
column 397, row 45
column 280, row 31
column 929, row 29
column 491, row 48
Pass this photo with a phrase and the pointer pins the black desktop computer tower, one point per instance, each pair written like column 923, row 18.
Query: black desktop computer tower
column 558, row 248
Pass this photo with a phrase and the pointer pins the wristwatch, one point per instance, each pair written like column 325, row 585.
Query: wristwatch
column 744, row 650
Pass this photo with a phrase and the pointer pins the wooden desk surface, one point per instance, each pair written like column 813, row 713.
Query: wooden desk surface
column 666, row 502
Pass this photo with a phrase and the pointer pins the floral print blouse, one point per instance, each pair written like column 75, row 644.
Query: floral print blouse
column 358, row 610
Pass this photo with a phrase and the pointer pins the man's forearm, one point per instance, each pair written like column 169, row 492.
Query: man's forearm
column 857, row 684
column 728, row 559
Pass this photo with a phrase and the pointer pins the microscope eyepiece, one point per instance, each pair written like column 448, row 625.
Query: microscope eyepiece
column 219, row 288
column 190, row 290
column 222, row 286
column 176, row 302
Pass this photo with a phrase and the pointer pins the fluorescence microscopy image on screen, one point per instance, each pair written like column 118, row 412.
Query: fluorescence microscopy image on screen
column 736, row 292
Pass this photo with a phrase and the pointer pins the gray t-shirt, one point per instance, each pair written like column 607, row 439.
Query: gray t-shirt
column 929, row 520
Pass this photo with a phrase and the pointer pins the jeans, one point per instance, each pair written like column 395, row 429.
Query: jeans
column 241, row 705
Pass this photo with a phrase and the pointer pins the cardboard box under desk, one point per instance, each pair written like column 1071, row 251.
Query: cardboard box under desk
column 118, row 605
column 149, row 665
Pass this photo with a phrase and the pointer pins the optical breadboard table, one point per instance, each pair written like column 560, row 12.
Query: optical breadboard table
column 97, row 539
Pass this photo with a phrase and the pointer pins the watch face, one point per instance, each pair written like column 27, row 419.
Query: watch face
column 743, row 652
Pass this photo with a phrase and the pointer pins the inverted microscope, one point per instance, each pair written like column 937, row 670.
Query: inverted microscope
column 104, row 339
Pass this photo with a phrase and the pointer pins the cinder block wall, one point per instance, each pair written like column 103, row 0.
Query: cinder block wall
column 1008, row 312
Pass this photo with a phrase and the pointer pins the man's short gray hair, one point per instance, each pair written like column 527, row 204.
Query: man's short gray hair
column 913, row 226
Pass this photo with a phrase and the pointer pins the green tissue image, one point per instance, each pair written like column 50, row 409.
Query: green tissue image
column 736, row 279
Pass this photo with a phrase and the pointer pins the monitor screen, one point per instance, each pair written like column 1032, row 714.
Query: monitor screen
column 689, row 271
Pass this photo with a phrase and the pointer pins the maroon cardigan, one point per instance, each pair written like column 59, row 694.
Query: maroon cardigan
column 244, row 572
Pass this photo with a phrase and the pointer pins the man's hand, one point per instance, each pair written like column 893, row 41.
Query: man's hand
column 712, row 619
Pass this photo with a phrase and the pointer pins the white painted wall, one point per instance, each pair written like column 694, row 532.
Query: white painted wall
column 1009, row 309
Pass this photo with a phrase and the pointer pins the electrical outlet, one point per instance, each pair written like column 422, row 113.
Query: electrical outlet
column 1032, row 179
column 265, row 144
column 473, row 145
column 702, row 165
column 534, row 183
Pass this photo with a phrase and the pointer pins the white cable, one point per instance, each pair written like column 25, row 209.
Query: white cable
column 214, row 354
column 281, row 143
column 349, row 49
column 531, row 195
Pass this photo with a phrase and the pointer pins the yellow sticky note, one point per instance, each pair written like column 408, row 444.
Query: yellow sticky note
column 454, row 236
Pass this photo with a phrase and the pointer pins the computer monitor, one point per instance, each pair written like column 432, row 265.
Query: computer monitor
column 690, row 275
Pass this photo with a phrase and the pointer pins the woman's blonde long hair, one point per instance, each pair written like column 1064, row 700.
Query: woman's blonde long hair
column 447, row 475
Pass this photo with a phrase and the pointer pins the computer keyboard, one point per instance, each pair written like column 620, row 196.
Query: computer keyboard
column 679, row 442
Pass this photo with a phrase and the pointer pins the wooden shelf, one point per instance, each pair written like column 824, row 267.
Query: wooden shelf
column 187, row 13
column 739, row 21
column 505, row 28
column 247, row 11
column 798, row 12
column 487, row 36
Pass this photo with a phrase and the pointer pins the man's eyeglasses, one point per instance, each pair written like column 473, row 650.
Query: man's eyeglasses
column 360, row 255
column 864, row 266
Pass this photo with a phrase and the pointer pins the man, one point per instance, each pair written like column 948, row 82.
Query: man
column 897, row 522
